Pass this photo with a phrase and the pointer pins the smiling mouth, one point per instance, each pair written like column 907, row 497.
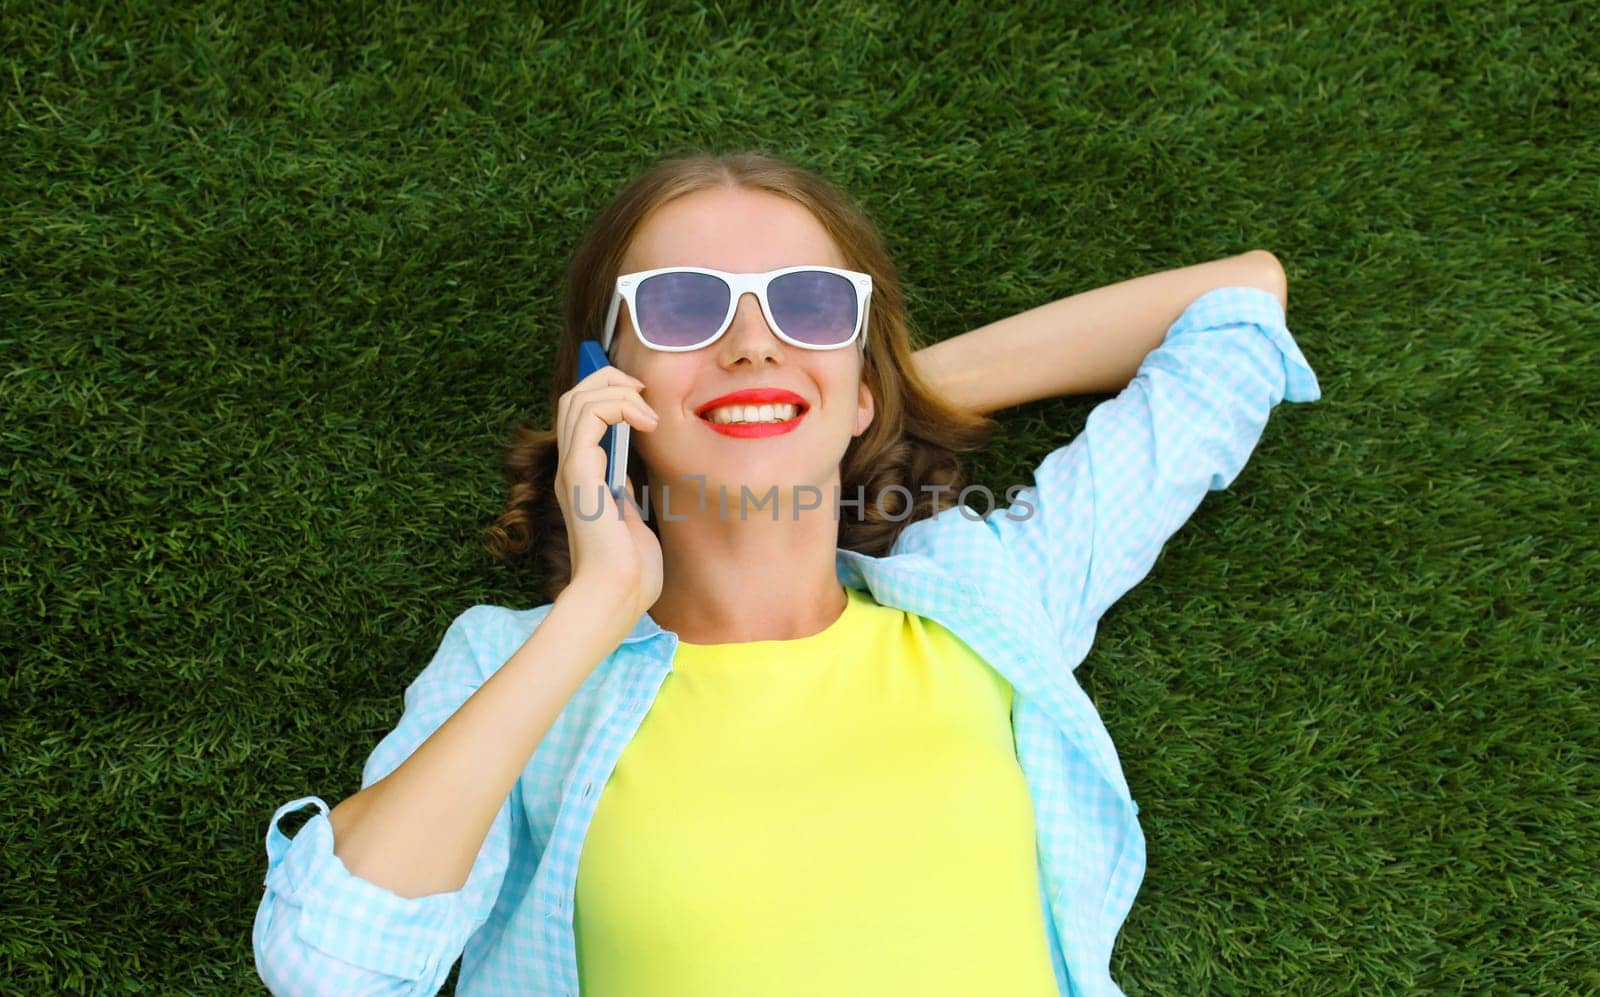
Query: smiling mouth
column 756, row 430
column 754, row 415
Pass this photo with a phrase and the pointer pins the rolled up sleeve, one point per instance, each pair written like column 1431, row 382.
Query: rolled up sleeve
column 321, row 929
column 1101, row 507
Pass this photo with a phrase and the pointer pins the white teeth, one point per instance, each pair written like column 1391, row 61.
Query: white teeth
column 752, row 413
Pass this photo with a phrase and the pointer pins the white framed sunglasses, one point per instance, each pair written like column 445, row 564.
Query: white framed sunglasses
column 675, row 309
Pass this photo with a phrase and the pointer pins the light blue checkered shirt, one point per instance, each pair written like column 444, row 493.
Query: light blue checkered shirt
column 1024, row 587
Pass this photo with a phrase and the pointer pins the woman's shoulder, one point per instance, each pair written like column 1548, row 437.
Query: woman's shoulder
column 957, row 548
column 494, row 632
column 488, row 617
column 957, row 535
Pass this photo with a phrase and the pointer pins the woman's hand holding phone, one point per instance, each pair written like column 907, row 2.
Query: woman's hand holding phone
column 619, row 556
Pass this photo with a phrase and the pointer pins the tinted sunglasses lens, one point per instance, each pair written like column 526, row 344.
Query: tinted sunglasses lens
column 680, row 309
column 813, row 306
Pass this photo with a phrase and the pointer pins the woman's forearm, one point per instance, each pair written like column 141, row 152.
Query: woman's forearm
column 1089, row 343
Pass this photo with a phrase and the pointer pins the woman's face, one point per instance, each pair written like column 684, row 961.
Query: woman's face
column 740, row 231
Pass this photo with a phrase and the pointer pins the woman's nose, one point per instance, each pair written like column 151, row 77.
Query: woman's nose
column 750, row 336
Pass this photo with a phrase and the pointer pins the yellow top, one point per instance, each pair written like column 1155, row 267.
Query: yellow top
column 837, row 814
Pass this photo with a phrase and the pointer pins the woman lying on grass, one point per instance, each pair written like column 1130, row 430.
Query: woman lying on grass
column 801, row 717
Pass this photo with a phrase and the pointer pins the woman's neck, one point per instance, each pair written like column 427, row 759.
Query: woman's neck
column 752, row 579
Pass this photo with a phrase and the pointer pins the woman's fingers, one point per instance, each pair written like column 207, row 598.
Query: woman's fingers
column 610, row 404
column 580, row 411
column 605, row 377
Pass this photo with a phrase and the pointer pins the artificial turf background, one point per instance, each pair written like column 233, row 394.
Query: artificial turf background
column 275, row 282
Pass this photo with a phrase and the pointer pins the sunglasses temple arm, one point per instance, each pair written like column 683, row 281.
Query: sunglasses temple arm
column 866, row 312
column 611, row 323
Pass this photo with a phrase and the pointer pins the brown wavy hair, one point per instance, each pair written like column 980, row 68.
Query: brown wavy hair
column 914, row 436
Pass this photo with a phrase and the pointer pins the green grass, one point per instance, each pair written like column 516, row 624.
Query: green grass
column 275, row 284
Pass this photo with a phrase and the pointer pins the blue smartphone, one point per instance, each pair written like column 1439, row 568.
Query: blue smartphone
column 591, row 357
